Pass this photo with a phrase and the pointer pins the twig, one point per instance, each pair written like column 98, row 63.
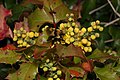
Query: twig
column 91, row 12
column 107, row 24
column 107, row 41
column 113, row 8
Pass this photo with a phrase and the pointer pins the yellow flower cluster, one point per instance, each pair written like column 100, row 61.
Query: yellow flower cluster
column 54, row 72
column 24, row 38
column 81, row 37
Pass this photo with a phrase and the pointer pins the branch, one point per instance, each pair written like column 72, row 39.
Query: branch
column 91, row 12
column 112, row 22
column 113, row 8
column 107, row 41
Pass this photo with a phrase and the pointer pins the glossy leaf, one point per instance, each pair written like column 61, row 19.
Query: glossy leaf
column 97, row 54
column 8, row 56
column 117, row 68
column 27, row 71
column 76, row 60
column 38, row 17
column 69, row 51
column 106, row 73
column 5, row 31
column 76, row 72
column 52, row 11
column 114, row 32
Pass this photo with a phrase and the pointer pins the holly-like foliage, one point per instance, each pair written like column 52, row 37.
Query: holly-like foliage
column 59, row 40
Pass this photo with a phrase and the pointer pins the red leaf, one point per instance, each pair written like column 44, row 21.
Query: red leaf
column 5, row 31
column 87, row 66
column 23, row 24
column 9, row 47
column 75, row 73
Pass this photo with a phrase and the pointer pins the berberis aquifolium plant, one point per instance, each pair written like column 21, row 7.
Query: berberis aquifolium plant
column 59, row 40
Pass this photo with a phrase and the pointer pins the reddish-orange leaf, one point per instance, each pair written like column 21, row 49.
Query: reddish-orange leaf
column 74, row 73
column 86, row 66
column 9, row 47
column 5, row 31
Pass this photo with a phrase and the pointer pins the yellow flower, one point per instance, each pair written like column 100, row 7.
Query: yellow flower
column 24, row 31
column 46, row 26
column 89, row 49
column 15, row 38
column 23, row 35
column 72, row 39
column 97, row 22
column 50, row 78
column 45, row 69
column 70, row 29
column 59, row 72
column 97, row 34
column 94, row 27
column 61, row 26
column 21, row 29
column 73, row 24
column 80, row 44
column 92, row 37
column 71, row 33
column 19, row 45
column 18, row 34
column 15, row 31
column 68, row 24
column 20, row 41
column 67, row 41
column 67, row 15
column 71, row 14
column 101, row 29
column 89, row 43
column 28, row 45
column 98, row 27
column 31, row 34
column 55, row 76
column 83, row 30
column 86, row 49
column 84, row 41
column 90, row 29
column 67, row 36
column 48, row 60
column 24, row 44
column 36, row 34
column 70, row 19
column 76, row 43
column 58, row 79
column 76, row 30
column 54, row 68
column 93, row 23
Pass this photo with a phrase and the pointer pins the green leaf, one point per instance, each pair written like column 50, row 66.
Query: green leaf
column 104, row 35
column 38, row 17
column 70, row 50
column 43, row 78
column 52, row 11
column 117, row 68
column 105, row 73
column 114, row 32
column 88, row 5
column 4, row 70
column 8, row 56
column 76, row 60
column 97, row 54
column 27, row 71
column 67, row 76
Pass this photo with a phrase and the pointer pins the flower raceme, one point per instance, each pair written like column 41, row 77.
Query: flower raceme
column 71, row 33
column 52, row 70
column 24, row 38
